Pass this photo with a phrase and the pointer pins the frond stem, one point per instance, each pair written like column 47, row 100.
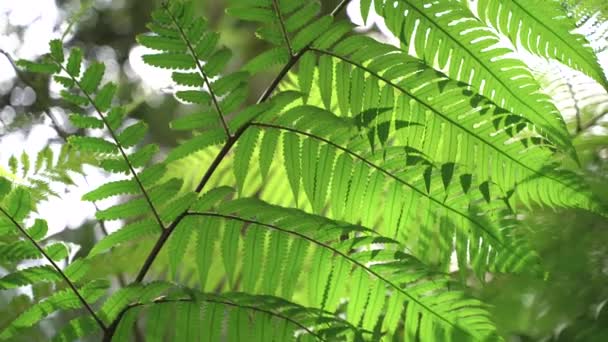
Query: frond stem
column 56, row 267
column 277, row 10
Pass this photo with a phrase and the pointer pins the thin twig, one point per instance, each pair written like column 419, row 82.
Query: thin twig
column 50, row 260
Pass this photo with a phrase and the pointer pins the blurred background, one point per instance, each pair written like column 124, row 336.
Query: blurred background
column 569, row 305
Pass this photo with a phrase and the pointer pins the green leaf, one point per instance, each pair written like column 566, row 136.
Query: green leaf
column 194, row 121
column 5, row 187
column 197, row 143
column 132, row 208
column 230, row 243
column 187, row 318
column 110, row 189
column 216, row 62
column 269, row 143
column 82, row 121
column 76, row 329
column 61, row 300
column 177, row 61
column 356, row 307
column 306, row 73
column 326, row 71
column 18, row 204
column 192, row 79
column 92, row 77
column 38, row 230
column 365, row 6
column 40, row 67
column 92, row 144
column 158, row 316
column 104, row 97
column 178, row 243
column 175, row 208
column 133, row 134
column 74, row 62
column 253, row 258
column 211, row 198
column 194, row 96
column 295, row 258
column 75, row 99
column 57, row 50
column 208, row 234
column 161, row 43
column 266, row 60
column 124, row 330
column 27, row 276
column 291, row 155
column 311, row 32
column 129, row 233
column 242, row 156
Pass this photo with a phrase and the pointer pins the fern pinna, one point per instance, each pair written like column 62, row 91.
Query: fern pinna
column 332, row 208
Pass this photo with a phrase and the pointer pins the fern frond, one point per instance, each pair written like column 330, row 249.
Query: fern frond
column 449, row 37
column 63, row 300
column 87, row 91
column 545, row 29
column 14, row 207
column 48, row 167
column 358, row 260
column 480, row 134
column 186, row 45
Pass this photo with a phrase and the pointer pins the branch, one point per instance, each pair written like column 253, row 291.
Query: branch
column 200, row 69
column 120, row 148
column 56, row 267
